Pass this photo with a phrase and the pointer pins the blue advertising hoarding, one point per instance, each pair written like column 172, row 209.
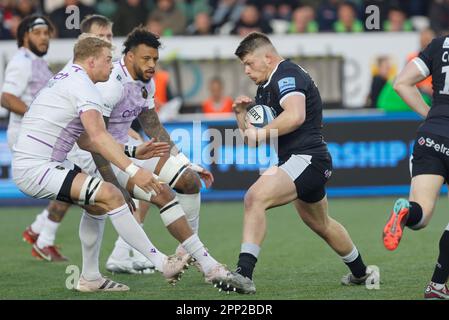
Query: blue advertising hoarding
column 370, row 156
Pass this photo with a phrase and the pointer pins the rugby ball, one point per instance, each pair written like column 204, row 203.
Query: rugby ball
column 259, row 115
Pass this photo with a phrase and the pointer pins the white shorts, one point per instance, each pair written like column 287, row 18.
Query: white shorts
column 47, row 180
column 83, row 159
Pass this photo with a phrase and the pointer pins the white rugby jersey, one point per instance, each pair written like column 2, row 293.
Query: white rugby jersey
column 52, row 124
column 124, row 99
column 25, row 75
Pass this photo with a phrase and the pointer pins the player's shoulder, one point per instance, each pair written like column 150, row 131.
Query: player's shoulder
column 119, row 74
column 288, row 74
column 22, row 58
column 439, row 43
column 288, row 68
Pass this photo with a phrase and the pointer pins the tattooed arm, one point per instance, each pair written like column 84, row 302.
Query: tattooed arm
column 105, row 169
column 149, row 120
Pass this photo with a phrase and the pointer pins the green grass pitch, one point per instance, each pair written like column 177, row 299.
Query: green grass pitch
column 294, row 263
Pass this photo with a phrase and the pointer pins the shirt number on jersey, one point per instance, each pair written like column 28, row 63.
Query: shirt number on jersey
column 446, row 82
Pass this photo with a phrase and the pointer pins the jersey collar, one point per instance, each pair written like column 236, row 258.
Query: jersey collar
column 271, row 75
column 30, row 53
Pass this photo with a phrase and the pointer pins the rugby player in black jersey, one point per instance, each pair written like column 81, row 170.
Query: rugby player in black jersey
column 304, row 166
column 429, row 164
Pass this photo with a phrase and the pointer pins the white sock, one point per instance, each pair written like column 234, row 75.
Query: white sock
column 121, row 250
column 437, row 286
column 48, row 234
column 191, row 203
column 250, row 248
column 350, row 257
column 91, row 234
column 39, row 222
column 195, row 248
column 128, row 228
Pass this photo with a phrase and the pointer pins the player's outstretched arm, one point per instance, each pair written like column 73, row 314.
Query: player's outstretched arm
column 13, row 103
column 405, row 86
column 149, row 120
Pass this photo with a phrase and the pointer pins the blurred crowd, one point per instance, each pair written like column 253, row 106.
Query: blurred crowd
column 239, row 17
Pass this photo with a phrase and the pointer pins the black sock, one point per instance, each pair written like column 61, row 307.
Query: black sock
column 357, row 267
column 441, row 272
column 246, row 264
column 414, row 214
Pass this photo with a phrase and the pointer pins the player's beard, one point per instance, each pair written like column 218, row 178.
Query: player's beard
column 140, row 75
column 33, row 48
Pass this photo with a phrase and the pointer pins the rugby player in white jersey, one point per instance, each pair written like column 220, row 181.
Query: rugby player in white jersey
column 27, row 72
column 69, row 110
column 129, row 94
column 42, row 232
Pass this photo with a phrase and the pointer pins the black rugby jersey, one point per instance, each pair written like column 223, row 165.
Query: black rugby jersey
column 289, row 78
column 434, row 60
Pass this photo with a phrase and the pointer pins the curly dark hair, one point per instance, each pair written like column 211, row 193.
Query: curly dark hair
column 138, row 36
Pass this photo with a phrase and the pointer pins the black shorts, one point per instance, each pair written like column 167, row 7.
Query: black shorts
column 310, row 174
column 430, row 155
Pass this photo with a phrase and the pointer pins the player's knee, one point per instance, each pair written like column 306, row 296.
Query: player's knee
column 189, row 183
column 255, row 199
column 164, row 197
column 110, row 196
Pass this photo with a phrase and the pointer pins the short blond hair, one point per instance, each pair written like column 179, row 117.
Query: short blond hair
column 89, row 45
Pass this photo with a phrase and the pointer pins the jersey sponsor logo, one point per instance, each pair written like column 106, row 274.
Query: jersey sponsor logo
column 446, row 43
column 327, row 174
column 130, row 113
column 286, row 84
column 421, row 141
column 119, row 78
column 438, row 147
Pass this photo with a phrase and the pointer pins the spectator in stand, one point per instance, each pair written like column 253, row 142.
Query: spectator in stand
column 201, row 26
column 275, row 9
column 303, row 20
column 130, row 13
column 163, row 93
column 250, row 21
column 439, row 16
column 227, row 11
column 191, row 8
column 327, row 14
column 9, row 21
column 397, row 20
column 107, row 8
column 155, row 26
column 380, row 77
column 347, row 19
column 25, row 8
column 217, row 102
column 59, row 18
column 172, row 19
